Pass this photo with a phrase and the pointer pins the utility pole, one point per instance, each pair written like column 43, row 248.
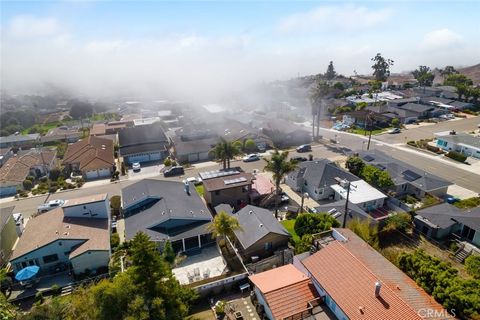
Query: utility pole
column 344, row 224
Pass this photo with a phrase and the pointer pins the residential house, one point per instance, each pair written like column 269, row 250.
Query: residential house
column 33, row 162
column 362, row 118
column 284, row 133
column 440, row 221
column 75, row 236
column 92, row 156
column 8, row 234
column 407, row 179
column 5, row 154
column 285, row 293
column 467, row 144
column 229, row 186
column 316, row 178
column 361, row 194
column 421, row 111
column 337, row 209
column 62, row 133
column 19, row 141
column 357, row 282
column 261, row 234
column 145, row 121
column 143, row 144
column 167, row 211
column 461, row 105
column 193, row 145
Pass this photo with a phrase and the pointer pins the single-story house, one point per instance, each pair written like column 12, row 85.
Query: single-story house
column 337, row 208
column 19, row 141
column 62, row 133
column 188, row 149
column 229, row 186
column 465, row 143
column 407, row 179
column 33, row 162
column 461, row 105
column 261, row 234
column 420, row 110
column 361, row 194
column 284, row 133
column 75, row 236
column 357, row 282
column 143, row 144
column 8, row 234
column 167, row 211
column 285, row 293
column 92, row 156
column 316, row 178
column 440, row 221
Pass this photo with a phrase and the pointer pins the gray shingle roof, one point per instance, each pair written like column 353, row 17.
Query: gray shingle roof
column 416, row 107
column 19, row 138
column 141, row 135
column 354, row 210
column 398, row 171
column 5, row 213
column 321, row 173
column 256, row 223
column 445, row 215
column 169, row 203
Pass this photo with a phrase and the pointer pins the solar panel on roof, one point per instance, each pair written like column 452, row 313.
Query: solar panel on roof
column 236, row 180
column 368, row 158
column 410, row 175
column 216, row 173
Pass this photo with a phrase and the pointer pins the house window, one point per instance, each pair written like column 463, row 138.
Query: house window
column 50, row 258
column 217, row 192
column 268, row 246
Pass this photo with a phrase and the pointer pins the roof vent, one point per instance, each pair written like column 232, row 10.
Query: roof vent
column 65, row 233
column 261, row 225
column 56, row 231
column 67, row 226
column 378, row 286
column 163, row 212
column 191, row 212
column 250, row 212
column 361, row 310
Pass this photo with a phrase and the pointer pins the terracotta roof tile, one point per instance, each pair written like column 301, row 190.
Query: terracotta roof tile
column 17, row 168
column 91, row 153
column 348, row 272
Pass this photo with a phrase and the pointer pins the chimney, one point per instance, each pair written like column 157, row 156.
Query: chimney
column 378, row 286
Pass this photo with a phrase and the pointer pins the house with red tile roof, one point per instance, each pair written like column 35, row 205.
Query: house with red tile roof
column 93, row 157
column 285, row 293
column 36, row 163
column 357, row 282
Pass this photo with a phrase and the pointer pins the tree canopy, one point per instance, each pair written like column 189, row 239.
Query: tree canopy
column 311, row 223
column 381, row 67
column 330, row 74
column 424, row 76
column 224, row 225
column 225, row 151
column 355, row 165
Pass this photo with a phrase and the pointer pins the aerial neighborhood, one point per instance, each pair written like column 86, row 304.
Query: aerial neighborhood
column 318, row 197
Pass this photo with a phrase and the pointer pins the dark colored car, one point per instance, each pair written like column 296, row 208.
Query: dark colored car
column 299, row 159
column 173, row 171
column 304, row 148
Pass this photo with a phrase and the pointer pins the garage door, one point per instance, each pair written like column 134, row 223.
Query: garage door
column 138, row 158
column 104, row 173
column 92, row 175
column 204, row 156
column 8, row 191
column 193, row 157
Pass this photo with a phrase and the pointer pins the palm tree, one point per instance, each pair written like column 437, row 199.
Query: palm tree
column 226, row 151
column 224, row 225
column 280, row 167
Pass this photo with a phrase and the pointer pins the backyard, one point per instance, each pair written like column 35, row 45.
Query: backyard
column 289, row 225
column 200, row 189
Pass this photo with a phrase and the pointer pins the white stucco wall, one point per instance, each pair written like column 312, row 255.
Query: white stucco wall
column 90, row 260
column 262, row 301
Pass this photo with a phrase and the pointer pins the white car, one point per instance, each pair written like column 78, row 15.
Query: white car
column 394, row 130
column 136, row 166
column 193, row 180
column 50, row 205
column 251, row 157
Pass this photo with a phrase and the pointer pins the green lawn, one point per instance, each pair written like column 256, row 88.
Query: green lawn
column 41, row 128
column 200, row 189
column 289, row 224
column 362, row 131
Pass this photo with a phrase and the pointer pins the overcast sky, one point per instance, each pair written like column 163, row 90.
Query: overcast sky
column 202, row 48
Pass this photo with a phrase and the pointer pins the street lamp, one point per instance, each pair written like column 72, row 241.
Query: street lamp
column 304, row 195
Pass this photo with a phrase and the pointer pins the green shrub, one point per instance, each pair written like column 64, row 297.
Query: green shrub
column 52, row 189
column 167, row 162
column 400, row 222
column 27, row 184
column 412, row 143
column 43, row 179
column 433, row 148
column 310, row 223
column 31, row 178
column 456, row 156
column 468, row 203
column 56, row 289
column 114, row 240
column 472, row 265
column 38, row 298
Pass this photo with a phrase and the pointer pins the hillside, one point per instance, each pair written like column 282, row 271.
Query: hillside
column 472, row 72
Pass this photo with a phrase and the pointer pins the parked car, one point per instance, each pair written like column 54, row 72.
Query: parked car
column 174, row 171
column 136, row 166
column 284, row 198
column 299, row 159
column 50, row 205
column 304, row 148
column 394, row 130
column 251, row 157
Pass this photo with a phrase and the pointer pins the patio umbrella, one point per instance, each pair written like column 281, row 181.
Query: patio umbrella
column 27, row 273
